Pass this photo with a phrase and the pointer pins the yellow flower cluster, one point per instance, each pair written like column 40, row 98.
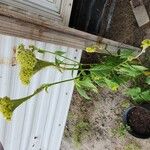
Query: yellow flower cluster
column 145, row 43
column 91, row 49
column 25, row 57
column 27, row 61
column 25, row 75
column 6, row 107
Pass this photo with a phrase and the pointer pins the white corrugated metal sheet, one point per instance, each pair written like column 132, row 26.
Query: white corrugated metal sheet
column 39, row 123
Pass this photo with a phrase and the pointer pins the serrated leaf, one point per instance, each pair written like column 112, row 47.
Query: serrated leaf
column 105, row 69
column 82, row 92
column 140, row 68
column 60, row 53
column 131, row 70
column 101, row 70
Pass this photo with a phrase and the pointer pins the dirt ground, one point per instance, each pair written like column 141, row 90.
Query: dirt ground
column 104, row 113
column 103, row 129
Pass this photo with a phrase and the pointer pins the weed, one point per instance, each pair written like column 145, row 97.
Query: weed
column 80, row 130
column 121, row 130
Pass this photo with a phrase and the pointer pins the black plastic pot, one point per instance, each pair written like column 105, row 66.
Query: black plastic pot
column 126, row 121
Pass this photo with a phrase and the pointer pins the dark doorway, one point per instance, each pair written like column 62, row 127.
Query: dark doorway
column 87, row 15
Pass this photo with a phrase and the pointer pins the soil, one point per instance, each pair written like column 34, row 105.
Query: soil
column 124, row 27
column 139, row 121
column 104, row 111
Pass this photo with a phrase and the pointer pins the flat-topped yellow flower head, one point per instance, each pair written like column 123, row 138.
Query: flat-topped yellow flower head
column 25, row 57
column 145, row 43
column 6, row 107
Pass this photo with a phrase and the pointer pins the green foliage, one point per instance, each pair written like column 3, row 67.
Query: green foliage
column 85, row 84
column 112, row 72
column 138, row 95
column 148, row 80
column 131, row 70
column 80, row 130
column 126, row 53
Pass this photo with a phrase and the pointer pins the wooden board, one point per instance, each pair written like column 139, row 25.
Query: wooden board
column 20, row 23
column 55, row 10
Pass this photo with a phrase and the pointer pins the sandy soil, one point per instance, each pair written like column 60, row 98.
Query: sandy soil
column 104, row 111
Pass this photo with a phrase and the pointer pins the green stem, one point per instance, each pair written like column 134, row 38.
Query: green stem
column 41, row 88
column 56, row 54
column 142, row 52
column 43, row 64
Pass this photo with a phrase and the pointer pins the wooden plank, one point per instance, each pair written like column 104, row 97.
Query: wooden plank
column 140, row 12
column 22, row 24
column 58, row 10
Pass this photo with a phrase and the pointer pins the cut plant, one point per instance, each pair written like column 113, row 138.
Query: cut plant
column 113, row 72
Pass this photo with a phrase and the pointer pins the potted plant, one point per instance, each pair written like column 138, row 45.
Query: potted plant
column 137, row 120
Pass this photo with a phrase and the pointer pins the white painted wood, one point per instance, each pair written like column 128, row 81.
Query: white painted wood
column 55, row 10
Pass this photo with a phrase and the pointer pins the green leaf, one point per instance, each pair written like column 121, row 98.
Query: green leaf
column 135, row 94
column 101, row 70
column 112, row 85
column 131, row 70
column 82, row 92
column 146, row 95
column 148, row 80
column 140, row 68
column 58, row 62
column 86, row 83
column 105, row 69
column 126, row 53
column 119, row 78
column 60, row 53
column 99, row 81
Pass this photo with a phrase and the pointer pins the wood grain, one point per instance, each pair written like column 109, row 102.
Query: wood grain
column 17, row 22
